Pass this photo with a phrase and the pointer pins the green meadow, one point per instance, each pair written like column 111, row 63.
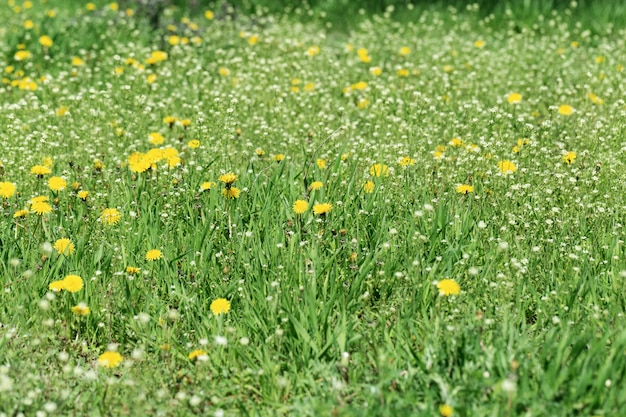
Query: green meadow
column 228, row 213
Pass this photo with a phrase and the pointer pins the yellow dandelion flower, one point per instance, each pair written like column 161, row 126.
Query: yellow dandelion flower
column 479, row 43
column 360, row 86
column 156, row 57
column 224, row 72
column 166, row 153
column 278, row 157
column 20, row 213
column 566, row 110
column 403, row 72
column 193, row 144
column 259, row 152
column 456, row 142
column 154, row 255
column 465, row 189
column 368, row 187
column 313, row 50
column 40, row 170
column 364, row 55
column 57, row 286
column 507, row 167
column 41, row 207
column 406, row 161
column 321, row 164
column 300, row 206
column 448, row 287
column 81, row 309
column 173, row 161
column 45, row 41
column 404, row 51
column 170, row 120
column 21, row 55
column 376, row 71
column 378, row 170
column 231, row 193
column 445, row 410
column 569, row 157
column 209, row 15
column 98, row 165
column 57, row 184
column 155, row 138
column 315, row 185
column 132, row 270
column 110, row 359
column 220, row 306
column 514, row 98
column 196, row 353
column 362, row 103
column 322, row 208
column 139, row 162
column 595, row 99
column 72, row 283
column 64, row 246
column 205, row 186
column 110, row 216
column 7, row 189
column 77, row 61
column 228, row 178
column 38, row 199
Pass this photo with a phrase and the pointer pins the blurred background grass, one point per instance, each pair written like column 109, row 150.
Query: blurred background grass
column 593, row 14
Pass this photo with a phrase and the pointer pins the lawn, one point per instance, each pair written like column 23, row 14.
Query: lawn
column 274, row 215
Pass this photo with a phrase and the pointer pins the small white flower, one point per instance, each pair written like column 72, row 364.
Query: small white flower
column 50, row 407
column 509, row 386
column 46, row 247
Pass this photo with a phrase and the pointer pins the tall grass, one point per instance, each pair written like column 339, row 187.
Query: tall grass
column 457, row 247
